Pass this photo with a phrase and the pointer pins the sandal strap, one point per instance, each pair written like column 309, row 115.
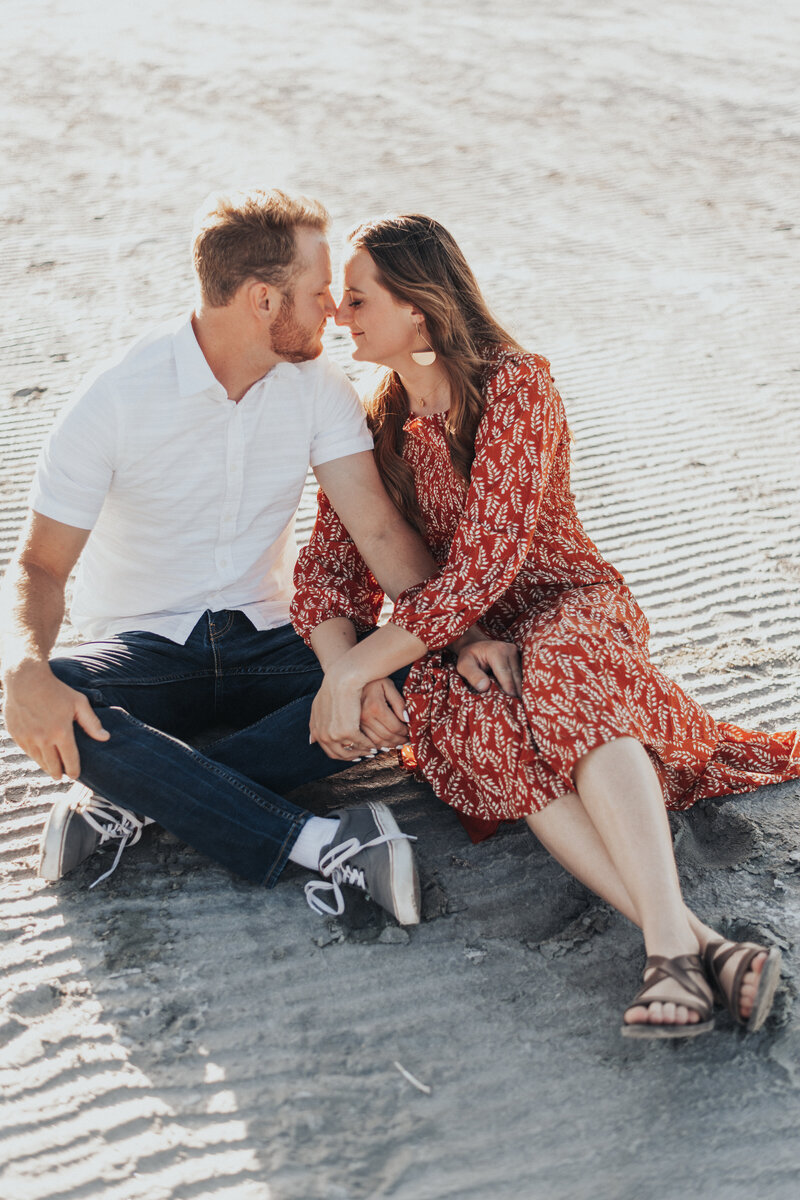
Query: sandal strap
column 676, row 969
column 715, row 956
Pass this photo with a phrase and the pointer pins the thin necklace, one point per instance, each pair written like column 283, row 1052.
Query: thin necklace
column 422, row 400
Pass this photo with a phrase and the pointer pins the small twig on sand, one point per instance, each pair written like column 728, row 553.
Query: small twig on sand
column 421, row 1087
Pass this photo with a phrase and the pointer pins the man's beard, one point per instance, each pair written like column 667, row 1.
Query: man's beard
column 289, row 339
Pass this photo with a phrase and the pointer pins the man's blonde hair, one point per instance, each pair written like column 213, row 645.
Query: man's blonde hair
column 250, row 235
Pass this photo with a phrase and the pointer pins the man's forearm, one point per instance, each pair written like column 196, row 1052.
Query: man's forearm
column 403, row 563
column 397, row 557
column 31, row 612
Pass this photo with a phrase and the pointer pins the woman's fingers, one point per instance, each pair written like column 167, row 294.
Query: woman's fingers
column 345, row 747
column 344, row 753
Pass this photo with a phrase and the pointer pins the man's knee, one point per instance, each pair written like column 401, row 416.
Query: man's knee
column 72, row 672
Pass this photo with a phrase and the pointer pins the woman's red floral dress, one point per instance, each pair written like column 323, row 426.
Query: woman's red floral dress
column 514, row 557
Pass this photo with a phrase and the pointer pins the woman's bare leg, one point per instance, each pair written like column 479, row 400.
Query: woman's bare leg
column 568, row 833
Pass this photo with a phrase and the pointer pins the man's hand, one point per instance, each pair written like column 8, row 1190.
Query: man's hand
column 479, row 662
column 382, row 708
column 39, row 713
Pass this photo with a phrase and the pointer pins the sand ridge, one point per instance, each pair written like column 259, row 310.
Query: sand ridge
column 625, row 183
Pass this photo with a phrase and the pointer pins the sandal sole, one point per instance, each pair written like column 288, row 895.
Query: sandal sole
column 645, row 1031
column 767, row 986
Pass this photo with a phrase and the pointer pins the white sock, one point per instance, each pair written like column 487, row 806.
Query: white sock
column 317, row 833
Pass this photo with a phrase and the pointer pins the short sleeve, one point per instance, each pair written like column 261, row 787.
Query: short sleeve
column 515, row 449
column 76, row 463
column 340, row 426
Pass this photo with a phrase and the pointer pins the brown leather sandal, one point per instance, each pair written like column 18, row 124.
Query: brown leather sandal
column 716, row 954
column 678, row 970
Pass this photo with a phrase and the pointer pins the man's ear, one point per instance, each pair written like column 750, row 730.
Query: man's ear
column 263, row 299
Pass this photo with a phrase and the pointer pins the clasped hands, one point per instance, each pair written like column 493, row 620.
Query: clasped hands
column 350, row 722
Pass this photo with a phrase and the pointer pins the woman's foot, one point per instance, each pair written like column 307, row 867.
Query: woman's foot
column 744, row 976
column 674, row 1001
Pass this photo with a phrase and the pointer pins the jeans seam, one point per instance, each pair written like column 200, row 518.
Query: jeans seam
column 282, row 857
column 218, row 633
column 145, row 681
column 311, row 669
column 217, row 656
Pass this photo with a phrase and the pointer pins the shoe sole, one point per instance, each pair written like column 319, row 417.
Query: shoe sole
column 51, row 845
column 767, row 984
column 403, row 870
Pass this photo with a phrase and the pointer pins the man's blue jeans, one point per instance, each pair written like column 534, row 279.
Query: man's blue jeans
column 153, row 695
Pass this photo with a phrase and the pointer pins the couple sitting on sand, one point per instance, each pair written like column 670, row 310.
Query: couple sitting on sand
column 174, row 477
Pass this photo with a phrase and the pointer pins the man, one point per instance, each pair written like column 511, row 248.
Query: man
column 174, row 476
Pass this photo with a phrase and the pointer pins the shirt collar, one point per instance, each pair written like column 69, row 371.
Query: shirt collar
column 195, row 375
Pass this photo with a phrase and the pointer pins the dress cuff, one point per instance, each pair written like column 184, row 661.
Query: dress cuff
column 435, row 629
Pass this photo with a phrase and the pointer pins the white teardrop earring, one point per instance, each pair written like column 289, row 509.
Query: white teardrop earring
column 424, row 358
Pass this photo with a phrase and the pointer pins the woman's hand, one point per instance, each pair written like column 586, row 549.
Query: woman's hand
column 479, row 662
column 336, row 719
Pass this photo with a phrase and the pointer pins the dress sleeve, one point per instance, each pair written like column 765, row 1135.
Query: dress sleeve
column 516, row 445
column 331, row 578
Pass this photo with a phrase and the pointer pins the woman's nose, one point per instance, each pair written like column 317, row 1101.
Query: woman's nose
column 342, row 316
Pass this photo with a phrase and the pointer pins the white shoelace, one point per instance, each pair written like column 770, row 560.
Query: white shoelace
column 111, row 821
column 334, row 864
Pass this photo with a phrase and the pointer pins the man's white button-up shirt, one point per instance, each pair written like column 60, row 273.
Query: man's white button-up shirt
column 190, row 497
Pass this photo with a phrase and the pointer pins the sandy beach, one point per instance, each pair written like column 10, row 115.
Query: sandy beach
column 624, row 180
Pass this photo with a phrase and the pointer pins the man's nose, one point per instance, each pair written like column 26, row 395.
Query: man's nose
column 330, row 306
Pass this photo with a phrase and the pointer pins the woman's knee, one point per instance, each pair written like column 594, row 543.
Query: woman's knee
column 624, row 749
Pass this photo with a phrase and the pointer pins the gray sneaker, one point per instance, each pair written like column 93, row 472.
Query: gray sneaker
column 370, row 853
column 78, row 823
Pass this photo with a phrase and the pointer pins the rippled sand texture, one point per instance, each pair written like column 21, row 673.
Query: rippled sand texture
column 624, row 180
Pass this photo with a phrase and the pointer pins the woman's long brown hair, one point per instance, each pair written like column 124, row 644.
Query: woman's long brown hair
column 419, row 263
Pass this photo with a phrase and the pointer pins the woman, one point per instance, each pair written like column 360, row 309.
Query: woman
column 472, row 442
